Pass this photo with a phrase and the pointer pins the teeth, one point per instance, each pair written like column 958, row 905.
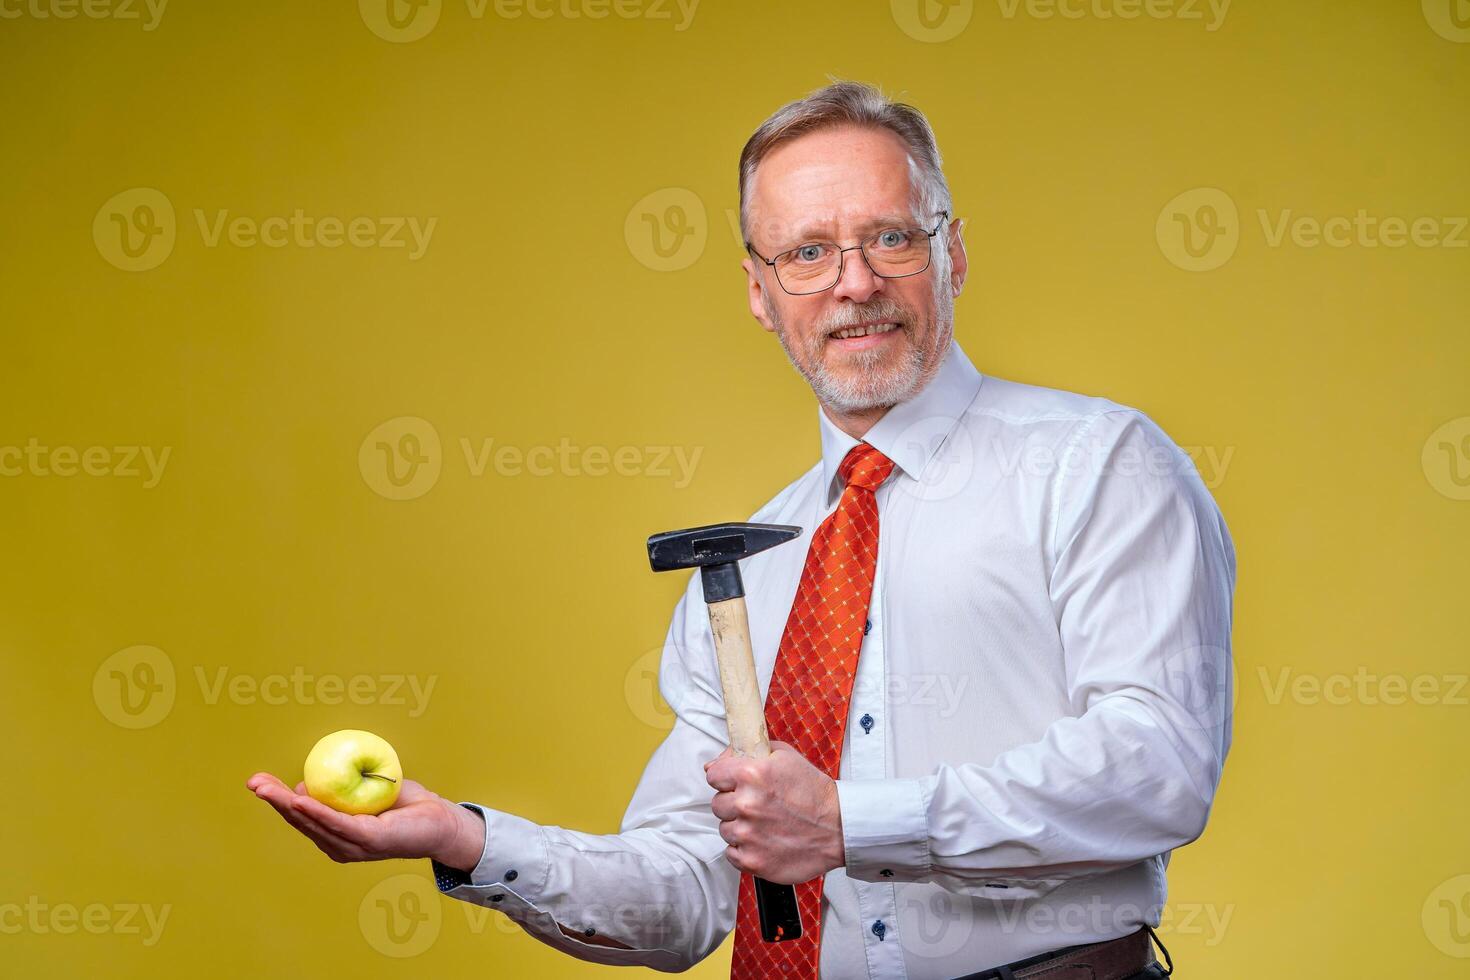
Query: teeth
column 865, row 331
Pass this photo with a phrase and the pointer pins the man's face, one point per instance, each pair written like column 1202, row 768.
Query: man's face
column 842, row 185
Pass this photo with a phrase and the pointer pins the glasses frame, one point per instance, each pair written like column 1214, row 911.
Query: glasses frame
column 842, row 259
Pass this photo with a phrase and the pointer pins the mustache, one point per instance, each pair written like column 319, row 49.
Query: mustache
column 851, row 316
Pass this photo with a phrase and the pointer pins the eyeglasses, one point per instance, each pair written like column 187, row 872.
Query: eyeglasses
column 892, row 253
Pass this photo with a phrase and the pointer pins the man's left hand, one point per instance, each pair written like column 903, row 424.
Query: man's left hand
column 778, row 814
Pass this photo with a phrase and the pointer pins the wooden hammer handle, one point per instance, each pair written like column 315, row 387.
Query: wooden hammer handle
column 745, row 715
column 744, row 712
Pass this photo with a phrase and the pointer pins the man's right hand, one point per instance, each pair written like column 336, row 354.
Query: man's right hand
column 421, row 824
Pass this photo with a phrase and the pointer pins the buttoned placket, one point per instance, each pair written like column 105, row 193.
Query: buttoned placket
column 867, row 740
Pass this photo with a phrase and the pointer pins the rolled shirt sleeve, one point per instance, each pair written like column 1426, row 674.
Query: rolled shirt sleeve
column 1142, row 580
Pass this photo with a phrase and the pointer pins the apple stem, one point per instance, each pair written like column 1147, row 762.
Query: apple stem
column 375, row 775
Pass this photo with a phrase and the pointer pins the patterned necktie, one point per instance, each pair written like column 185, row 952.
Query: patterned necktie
column 811, row 685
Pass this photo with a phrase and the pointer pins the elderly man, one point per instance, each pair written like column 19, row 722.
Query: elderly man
column 997, row 669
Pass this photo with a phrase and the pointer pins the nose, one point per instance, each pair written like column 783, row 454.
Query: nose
column 857, row 281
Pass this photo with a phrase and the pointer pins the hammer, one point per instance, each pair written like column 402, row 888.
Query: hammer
column 716, row 549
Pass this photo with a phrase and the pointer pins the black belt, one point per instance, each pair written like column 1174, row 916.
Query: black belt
column 1112, row 959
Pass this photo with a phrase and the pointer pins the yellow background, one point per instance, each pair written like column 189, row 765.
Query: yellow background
column 538, row 313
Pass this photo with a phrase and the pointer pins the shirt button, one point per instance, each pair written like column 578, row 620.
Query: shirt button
column 512, row 875
column 886, row 872
column 867, row 625
column 879, row 929
column 867, row 722
column 496, row 898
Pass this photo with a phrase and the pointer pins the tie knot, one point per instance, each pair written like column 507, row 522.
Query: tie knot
column 864, row 467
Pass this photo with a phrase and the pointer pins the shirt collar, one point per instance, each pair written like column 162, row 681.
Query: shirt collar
column 907, row 432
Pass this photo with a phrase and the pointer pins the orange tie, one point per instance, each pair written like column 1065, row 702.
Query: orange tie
column 811, row 685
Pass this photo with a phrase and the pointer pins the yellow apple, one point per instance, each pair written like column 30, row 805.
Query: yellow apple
column 353, row 772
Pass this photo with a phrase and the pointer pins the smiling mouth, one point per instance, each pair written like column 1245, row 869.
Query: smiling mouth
column 867, row 330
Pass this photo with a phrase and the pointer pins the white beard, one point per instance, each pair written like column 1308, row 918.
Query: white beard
column 868, row 386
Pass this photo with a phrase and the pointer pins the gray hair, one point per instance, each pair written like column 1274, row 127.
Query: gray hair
column 851, row 103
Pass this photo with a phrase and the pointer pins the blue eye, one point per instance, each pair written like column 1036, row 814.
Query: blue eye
column 808, row 253
column 893, row 239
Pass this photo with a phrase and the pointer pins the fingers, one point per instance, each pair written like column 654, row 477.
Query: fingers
column 343, row 825
column 263, row 779
column 283, row 801
column 723, row 806
column 733, row 855
column 729, row 751
column 330, row 844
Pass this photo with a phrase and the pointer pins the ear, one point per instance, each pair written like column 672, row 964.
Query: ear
column 959, row 264
column 755, row 288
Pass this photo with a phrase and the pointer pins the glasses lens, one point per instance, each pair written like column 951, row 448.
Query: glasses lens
column 898, row 252
column 808, row 268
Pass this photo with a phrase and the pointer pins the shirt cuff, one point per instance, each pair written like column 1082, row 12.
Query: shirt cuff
column 885, row 828
column 512, row 870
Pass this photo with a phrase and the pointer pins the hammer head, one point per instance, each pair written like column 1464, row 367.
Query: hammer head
column 714, row 544
column 716, row 550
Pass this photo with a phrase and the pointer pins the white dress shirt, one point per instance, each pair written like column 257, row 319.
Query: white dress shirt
column 1041, row 711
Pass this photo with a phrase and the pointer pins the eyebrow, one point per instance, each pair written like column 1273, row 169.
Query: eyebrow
column 813, row 229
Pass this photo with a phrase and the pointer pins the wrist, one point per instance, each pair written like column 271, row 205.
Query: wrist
column 463, row 839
